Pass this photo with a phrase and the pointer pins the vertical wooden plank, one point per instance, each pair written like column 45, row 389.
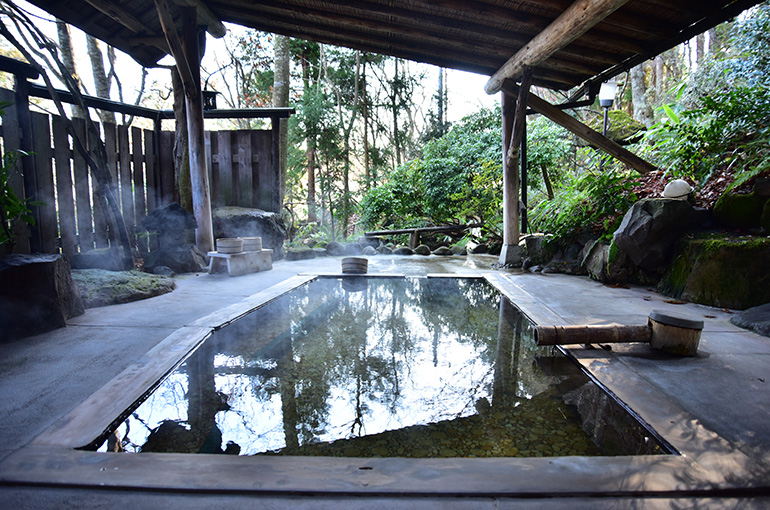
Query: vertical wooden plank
column 48, row 226
column 264, row 144
column 101, row 231
column 12, row 143
column 228, row 186
column 126, row 182
column 111, row 147
column 245, row 174
column 212, row 157
column 64, row 192
column 150, row 170
column 254, row 166
column 140, row 202
column 275, row 153
column 166, row 170
column 82, row 193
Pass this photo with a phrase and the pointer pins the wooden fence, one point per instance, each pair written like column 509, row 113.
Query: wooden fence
column 141, row 164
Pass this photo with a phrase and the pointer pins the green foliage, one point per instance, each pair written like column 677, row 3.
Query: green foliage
column 591, row 202
column 729, row 130
column 397, row 202
column 12, row 208
column 548, row 145
column 457, row 180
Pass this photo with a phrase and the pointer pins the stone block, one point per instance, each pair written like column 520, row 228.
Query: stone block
column 37, row 294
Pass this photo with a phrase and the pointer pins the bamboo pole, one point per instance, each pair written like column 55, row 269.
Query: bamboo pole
column 596, row 334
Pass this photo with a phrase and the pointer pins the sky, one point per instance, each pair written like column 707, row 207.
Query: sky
column 465, row 90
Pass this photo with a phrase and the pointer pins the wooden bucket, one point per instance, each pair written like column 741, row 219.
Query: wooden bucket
column 675, row 334
column 229, row 245
column 355, row 265
column 252, row 243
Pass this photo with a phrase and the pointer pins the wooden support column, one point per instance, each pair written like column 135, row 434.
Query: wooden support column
column 187, row 55
column 514, row 118
column 199, row 176
column 586, row 133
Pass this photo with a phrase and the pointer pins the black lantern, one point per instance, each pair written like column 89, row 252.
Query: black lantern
column 210, row 99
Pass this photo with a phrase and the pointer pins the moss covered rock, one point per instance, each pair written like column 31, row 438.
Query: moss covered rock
column 720, row 271
column 623, row 128
column 764, row 220
column 99, row 287
column 740, row 210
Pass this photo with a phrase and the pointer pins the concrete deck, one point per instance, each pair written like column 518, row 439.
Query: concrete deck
column 715, row 407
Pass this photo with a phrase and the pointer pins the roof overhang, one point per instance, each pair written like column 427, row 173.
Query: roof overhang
column 476, row 36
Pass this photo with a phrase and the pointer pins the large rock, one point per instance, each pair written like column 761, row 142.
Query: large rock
column 650, row 229
column 101, row 288
column 335, row 249
column 756, row 319
column 728, row 272
column 607, row 264
column 300, row 253
column 172, row 226
column 243, row 222
column 37, row 294
column 538, row 248
column 738, row 210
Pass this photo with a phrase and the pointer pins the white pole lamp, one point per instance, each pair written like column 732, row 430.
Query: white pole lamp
column 606, row 98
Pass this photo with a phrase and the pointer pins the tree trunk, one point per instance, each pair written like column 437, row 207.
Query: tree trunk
column 181, row 149
column 547, row 181
column 346, row 134
column 311, row 145
column 68, row 59
column 281, row 98
column 101, row 81
column 365, row 115
column 700, row 41
column 642, row 110
column 394, row 95
column 659, row 77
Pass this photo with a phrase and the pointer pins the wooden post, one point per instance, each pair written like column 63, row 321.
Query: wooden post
column 510, row 183
column 277, row 201
column 514, row 118
column 199, row 177
column 187, row 54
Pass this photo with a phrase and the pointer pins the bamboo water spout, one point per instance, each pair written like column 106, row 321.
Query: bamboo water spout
column 663, row 331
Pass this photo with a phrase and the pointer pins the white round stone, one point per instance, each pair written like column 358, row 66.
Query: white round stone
column 677, row 188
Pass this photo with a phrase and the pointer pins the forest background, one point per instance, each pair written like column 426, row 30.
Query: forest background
column 376, row 142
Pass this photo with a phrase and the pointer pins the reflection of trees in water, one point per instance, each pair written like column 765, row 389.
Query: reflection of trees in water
column 333, row 342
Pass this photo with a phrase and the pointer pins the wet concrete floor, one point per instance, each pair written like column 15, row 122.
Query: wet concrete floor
column 722, row 392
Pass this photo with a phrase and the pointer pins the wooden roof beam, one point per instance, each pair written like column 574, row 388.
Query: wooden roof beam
column 206, row 17
column 573, row 125
column 119, row 15
column 579, row 17
column 183, row 63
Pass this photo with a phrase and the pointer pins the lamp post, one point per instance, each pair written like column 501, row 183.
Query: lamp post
column 606, row 98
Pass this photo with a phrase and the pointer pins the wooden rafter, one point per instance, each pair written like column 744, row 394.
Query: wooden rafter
column 183, row 64
column 207, row 18
column 120, row 15
column 586, row 133
column 580, row 17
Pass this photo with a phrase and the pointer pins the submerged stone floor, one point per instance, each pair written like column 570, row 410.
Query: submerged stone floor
column 720, row 395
